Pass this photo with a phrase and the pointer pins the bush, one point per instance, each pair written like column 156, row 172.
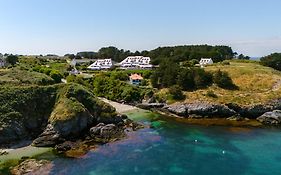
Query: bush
column 56, row 75
column 222, row 80
column 211, row 94
column 273, row 60
column 176, row 93
column 202, row 79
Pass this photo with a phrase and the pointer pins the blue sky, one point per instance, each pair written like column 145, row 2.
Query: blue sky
column 252, row 27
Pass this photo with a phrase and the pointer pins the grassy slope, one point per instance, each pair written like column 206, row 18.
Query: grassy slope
column 257, row 84
column 27, row 104
column 16, row 76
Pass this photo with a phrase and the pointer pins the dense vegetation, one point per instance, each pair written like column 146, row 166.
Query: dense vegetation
column 185, row 53
column 17, row 76
column 176, row 53
column 113, row 86
column 273, row 60
column 170, row 73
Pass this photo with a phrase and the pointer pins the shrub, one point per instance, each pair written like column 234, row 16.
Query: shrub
column 273, row 60
column 202, row 79
column 222, row 80
column 211, row 94
column 185, row 79
column 56, row 75
column 176, row 93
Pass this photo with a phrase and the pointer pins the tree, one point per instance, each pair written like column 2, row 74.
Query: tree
column 70, row 56
column 243, row 57
column 165, row 75
column 185, row 79
column 273, row 60
column 12, row 59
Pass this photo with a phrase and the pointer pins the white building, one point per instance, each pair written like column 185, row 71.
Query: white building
column 101, row 64
column 2, row 61
column 206, row 61
column 135, row 62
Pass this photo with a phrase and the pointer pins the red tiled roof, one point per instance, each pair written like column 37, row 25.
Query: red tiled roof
column 136, row 77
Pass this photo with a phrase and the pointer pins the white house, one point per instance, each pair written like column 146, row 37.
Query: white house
column 101, row 64
column 206, row 61
column 2, row 61
column 135, row 62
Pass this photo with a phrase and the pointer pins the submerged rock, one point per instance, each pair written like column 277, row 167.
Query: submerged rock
column 32, row 166
column 271, row 118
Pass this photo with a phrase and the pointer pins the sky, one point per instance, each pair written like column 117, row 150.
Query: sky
column 251, row 27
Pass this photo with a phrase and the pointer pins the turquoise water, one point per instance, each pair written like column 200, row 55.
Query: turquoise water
column 175, row 148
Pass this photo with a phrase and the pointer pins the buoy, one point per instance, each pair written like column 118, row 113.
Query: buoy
column 223, row 152
column 196, row 141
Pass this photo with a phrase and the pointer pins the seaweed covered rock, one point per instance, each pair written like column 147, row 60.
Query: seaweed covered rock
column 32, row 166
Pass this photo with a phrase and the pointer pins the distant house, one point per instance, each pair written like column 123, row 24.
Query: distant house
column 136, row 62
column 2, row 61
column 101, row 64
column 206, row 61
column 136, row 79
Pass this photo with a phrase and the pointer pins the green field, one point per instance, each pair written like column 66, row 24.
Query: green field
column 257, row 84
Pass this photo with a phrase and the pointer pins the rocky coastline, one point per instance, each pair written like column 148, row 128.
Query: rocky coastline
column 267, row 114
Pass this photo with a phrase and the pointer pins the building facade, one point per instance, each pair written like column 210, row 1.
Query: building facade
column 101, row 64
column 206, row 61
column 136, row 62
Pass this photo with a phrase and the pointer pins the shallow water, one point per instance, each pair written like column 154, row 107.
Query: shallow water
column 176, row 148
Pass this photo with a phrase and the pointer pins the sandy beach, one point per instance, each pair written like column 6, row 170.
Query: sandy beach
column 120, row 108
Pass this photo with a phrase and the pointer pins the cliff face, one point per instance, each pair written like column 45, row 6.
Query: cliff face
column 67, row 110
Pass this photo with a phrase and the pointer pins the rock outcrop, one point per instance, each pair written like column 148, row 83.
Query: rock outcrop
column 105, row 133
column 149, row 106
column 51, row 114
column 200, row 109
column 271, row 118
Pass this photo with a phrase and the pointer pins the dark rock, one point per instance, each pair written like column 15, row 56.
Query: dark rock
column 12, row 130
column 201, row 109
column 123, row 116
column 209, row 110
column 50, row 137
column 254, row 111
column 271, row 118
column 105, row 133
column 65, row 146
column 111, row 120
column 148, row 106
column 180, row 110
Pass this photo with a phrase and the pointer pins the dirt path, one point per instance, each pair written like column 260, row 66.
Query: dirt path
column 277, row 85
